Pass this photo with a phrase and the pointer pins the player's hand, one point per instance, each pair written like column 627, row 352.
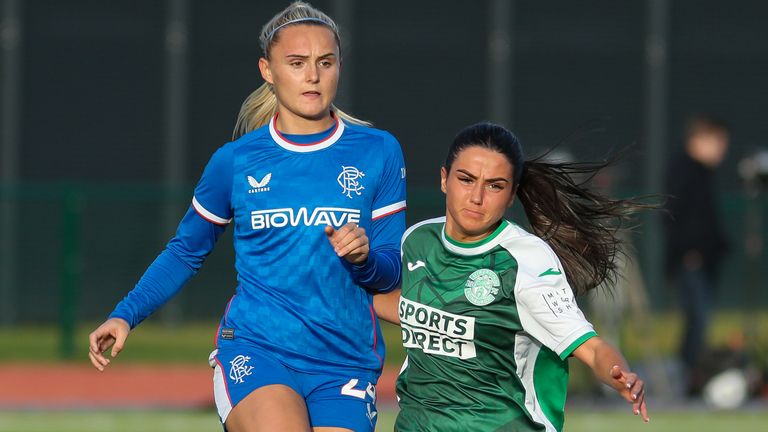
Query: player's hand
column 112, row 333
column 631, row 388
column 349, row 242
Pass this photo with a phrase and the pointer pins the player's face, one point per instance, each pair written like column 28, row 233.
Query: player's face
column 710, row 147
column 304, row 69
column 478, row 190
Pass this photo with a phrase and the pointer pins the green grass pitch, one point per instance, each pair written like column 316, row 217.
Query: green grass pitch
column 194, row 421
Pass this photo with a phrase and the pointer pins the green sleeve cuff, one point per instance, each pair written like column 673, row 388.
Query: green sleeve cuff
column 572, row 347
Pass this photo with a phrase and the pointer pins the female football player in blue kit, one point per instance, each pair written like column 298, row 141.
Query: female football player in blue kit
column 316, row 198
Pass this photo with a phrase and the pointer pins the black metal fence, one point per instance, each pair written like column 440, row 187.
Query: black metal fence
column 111, row 109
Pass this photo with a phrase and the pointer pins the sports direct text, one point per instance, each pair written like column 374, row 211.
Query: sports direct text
column 435, row 331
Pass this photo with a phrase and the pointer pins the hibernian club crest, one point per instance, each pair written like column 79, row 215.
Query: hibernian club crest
column 482, row 286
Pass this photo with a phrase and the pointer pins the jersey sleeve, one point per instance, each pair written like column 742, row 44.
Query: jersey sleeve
column 212, row 200
column 390, row 194
column 381, row 272
column 546, row 304
column 181, row 259
column 195, row 238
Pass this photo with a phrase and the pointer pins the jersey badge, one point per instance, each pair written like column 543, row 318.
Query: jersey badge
column 551, row 272
column 418, row 264
column 259, row 186
column 240, row 369
column 482, row 286
column 349, row 180
column 228, row 333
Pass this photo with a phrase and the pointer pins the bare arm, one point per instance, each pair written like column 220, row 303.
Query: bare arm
column 609, row 366
column 112, row 333
column 386, row 306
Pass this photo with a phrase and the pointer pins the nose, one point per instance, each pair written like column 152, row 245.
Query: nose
column 312, row 74
column 476, row 194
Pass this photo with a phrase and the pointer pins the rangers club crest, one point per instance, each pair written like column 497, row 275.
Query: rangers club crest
column 482, row 286
column 349, row 181
column 239, row 368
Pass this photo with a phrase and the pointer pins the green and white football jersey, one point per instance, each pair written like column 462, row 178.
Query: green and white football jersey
column 487, row 327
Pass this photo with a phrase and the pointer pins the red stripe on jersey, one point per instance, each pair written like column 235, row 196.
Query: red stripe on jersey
column 375, row 337
column 390, row 213
column 209, row 220
column 335, row 127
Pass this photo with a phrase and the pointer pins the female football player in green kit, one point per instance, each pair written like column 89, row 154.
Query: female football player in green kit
column 487, row 310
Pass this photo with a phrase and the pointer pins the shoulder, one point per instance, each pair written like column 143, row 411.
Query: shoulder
column 533, row 255
column 369, row 131
column 426, row 227
column 372, row 136
column 254, row 137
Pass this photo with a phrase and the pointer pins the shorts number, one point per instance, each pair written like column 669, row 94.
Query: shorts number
column 350, row 390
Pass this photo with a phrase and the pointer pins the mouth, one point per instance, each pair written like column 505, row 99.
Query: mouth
column 311, row 94
column 473, row 214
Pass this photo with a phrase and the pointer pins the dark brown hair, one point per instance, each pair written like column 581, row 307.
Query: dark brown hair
column 582, row 226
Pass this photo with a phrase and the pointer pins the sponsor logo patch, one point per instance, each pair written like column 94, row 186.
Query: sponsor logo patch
column 560, row 301
column 418, row 264
column 259, row 186
column 435, row 331
column 320, row 216
column 551, row 272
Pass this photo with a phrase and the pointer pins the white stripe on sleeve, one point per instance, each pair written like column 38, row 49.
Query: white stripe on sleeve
column 388, row 210
column 210, row 217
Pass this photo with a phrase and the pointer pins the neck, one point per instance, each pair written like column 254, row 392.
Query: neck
column 463, row 237
column 290, row 123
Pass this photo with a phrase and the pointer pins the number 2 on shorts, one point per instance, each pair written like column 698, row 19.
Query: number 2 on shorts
column 350, row 390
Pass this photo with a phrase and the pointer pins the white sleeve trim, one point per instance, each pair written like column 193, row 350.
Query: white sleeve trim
column 573, row 337
column 210, row 217
column 546, row 305
column 388, row 210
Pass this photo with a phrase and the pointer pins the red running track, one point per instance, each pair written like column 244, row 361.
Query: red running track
column 153, row 386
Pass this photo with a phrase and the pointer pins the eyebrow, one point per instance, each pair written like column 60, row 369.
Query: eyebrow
column 304, row 57
column 474, row 177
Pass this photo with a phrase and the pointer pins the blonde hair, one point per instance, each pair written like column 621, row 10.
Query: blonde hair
column 261, row 105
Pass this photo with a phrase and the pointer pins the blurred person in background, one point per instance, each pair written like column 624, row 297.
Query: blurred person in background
column 696, row 243
column 487, row 310
column 316, row 198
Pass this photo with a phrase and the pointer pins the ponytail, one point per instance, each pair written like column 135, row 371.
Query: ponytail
column 256, row 110
column 582, row 226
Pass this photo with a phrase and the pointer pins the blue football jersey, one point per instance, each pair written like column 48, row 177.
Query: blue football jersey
column 295, row 297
